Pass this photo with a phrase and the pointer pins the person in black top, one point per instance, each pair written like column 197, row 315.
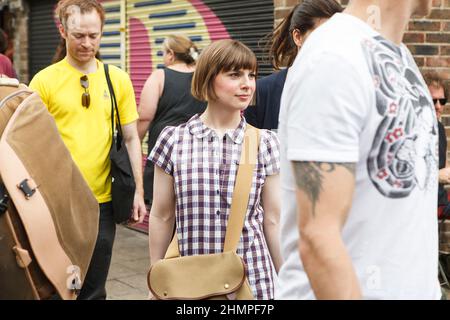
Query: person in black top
column 166, row 98
column 284, row 44
column 439, row 94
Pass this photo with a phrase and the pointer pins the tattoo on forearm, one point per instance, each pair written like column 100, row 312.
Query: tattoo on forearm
column 309, row 177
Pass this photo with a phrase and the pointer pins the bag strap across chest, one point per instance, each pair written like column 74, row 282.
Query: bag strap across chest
column 241, row 194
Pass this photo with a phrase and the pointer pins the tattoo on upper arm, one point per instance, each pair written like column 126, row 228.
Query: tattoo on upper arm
column 309, row 177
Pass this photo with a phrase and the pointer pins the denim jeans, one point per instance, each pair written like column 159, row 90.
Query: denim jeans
column 94, row 284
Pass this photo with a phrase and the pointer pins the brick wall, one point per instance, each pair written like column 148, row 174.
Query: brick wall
column 282, row 8
column 429, row 41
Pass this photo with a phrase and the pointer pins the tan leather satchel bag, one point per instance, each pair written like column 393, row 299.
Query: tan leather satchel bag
column 218, row 276
column 48, row 214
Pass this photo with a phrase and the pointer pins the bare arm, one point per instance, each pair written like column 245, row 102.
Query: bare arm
column 162, row 215
column 271, row 224
column 133, row 144
column 148, row 104
column 324, row 198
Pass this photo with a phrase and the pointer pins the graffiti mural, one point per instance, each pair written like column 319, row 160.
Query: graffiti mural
column 148, row 22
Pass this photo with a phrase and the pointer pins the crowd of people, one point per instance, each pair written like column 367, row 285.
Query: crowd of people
column 343, row 200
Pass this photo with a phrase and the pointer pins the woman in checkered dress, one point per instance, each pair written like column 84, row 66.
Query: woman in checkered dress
column 196, row 165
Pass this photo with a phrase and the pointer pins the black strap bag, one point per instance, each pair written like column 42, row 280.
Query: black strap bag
column 123, row 186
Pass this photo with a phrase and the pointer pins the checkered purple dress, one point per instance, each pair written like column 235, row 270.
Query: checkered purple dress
column 204, row 170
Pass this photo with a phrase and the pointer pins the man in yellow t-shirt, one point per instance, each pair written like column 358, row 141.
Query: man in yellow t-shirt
column 76, row 94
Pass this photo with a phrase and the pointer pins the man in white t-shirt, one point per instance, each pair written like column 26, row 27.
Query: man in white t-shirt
column 359, row 162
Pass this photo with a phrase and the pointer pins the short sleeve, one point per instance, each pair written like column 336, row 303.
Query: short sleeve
column 327, row 105
column 270, row 152
column 37, row 85
column 161, row 155
column 126, row 102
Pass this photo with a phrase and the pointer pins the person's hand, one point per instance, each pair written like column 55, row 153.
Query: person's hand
column 151, row 296
column 444, row 175
column 139, row 209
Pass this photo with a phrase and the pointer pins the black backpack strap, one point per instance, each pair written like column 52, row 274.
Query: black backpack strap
column 113, row 106
column 4, row 198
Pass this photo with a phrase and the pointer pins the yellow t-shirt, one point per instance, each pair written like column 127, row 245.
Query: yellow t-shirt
column 87, row 131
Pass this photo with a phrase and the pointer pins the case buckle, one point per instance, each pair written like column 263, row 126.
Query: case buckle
column 26, row 189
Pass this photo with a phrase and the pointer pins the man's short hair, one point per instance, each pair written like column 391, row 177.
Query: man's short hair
column 64, row 9
column 220, row 56
column 433, row 79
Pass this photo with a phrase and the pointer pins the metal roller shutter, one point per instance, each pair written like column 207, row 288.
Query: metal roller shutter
column 148, row 22
column 43, row 35
column 248, row 21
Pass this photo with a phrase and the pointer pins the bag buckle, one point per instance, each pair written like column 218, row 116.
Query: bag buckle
column 26, row 189
column 75, row 285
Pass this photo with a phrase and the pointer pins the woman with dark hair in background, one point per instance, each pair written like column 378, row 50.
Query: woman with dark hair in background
column 284, row 43
column 166, row 98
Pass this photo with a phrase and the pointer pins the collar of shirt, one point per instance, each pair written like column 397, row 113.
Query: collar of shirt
column 198, row 129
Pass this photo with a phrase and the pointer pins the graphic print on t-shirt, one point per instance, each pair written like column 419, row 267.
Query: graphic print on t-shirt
column 403, row 155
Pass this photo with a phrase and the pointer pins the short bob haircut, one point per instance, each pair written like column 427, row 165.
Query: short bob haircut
column 220, row 56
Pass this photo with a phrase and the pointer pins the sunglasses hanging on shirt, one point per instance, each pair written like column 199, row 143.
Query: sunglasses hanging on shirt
column 85, row 97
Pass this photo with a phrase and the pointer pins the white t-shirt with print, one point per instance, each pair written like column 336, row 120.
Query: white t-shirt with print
column 353, row 96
